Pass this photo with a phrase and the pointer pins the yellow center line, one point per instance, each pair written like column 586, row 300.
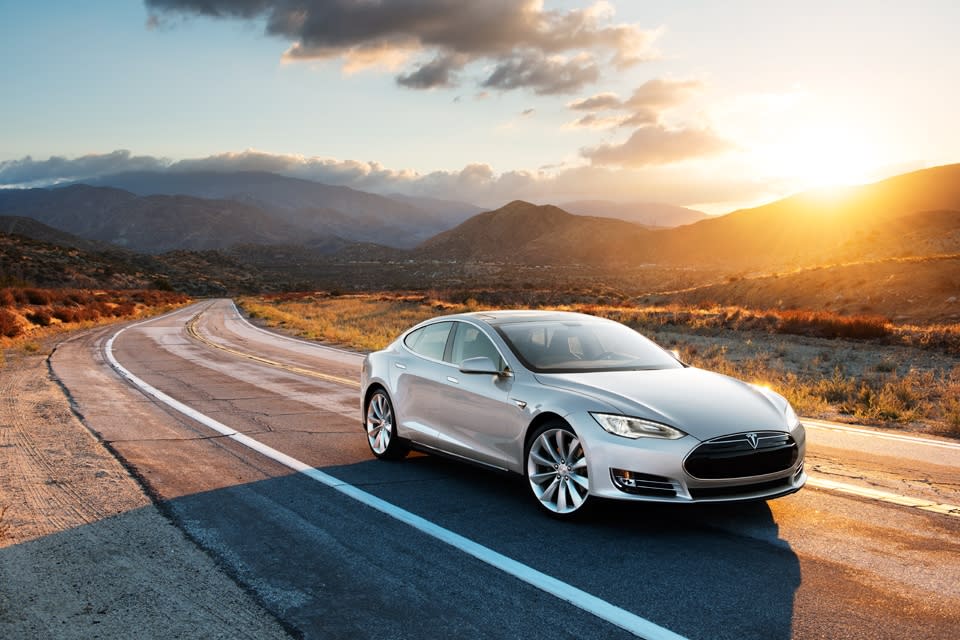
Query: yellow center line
column 884, row 496
column 192, row 331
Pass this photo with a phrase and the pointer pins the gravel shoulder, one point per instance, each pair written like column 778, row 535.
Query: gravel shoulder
column 84, row 552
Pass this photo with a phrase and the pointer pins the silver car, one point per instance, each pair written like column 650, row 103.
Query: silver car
column 582, row 407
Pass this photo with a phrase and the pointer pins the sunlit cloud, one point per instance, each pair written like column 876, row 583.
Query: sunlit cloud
column 529, row 47
column 645, row 106
column 657, row 145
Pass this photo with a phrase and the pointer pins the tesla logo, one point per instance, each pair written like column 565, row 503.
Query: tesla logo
column 752, row 439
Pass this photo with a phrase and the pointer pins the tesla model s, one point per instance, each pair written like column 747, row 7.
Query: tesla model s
column 582, row 407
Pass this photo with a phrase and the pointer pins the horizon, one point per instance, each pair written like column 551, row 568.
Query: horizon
column 710, row 108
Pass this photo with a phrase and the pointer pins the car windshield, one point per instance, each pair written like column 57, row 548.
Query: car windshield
column 579, row 346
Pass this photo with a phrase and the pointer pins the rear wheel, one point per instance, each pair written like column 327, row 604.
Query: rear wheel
column 382, row 428
column 557, row 469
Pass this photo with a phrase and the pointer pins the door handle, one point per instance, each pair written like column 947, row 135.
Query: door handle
column 399, row 366
column 453, row 380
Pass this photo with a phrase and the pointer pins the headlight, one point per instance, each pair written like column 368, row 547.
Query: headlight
column 635, row 427
column 791, row 416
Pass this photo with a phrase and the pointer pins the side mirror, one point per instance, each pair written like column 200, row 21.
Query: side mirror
column 481, row 364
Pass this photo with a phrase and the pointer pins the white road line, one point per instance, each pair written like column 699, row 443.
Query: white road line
column 884, row 496
column 613, row 614
column 831, row 426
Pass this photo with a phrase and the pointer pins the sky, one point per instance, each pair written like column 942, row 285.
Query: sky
column 707, row 104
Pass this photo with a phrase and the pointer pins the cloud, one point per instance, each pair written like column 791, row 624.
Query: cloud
column 594, row 121
column 646, row 105
column 599, row 102
column 55, row 169
column 546, row 76
column 657, row 145
column 476, row 182
column 519, row 37
column 661, row 94
column 439, row 72
column 526, row 113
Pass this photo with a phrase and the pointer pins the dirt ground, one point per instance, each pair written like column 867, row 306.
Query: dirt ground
column 83, row 551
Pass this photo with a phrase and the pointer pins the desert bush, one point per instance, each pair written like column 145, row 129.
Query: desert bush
column 40, row 317
column 38, row 296
column 65, row 314
column 823, row 324
column 7, row 299
column 9, row 327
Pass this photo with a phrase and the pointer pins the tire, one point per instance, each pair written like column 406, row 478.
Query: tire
column 381, row 427
column 557, row 471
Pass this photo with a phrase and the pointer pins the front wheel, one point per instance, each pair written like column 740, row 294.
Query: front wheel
column 382, row 428
column 557, row 469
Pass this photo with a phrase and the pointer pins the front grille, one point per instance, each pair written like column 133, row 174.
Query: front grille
column 737, row 457
column 716, row 492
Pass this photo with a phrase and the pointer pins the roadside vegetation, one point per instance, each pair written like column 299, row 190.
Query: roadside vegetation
column 30, row 313
column 859, row 368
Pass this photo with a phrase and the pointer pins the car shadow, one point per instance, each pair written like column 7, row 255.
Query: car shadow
column 704, row 571
column 328, row 567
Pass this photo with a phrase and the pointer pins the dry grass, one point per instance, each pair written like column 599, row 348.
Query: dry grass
column 360, row 322
column 879, row 396
column 27, row 313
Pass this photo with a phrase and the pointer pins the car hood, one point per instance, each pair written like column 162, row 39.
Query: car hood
column 700, row 403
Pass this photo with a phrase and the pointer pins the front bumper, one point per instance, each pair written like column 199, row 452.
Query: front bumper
column 652, row 470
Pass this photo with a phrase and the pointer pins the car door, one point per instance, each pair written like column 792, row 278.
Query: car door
column 479, row 420
column 420, row 377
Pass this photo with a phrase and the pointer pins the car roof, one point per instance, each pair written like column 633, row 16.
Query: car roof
column 495, row 318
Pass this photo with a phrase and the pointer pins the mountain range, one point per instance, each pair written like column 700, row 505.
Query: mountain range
column 648, row 214
column 277, row 225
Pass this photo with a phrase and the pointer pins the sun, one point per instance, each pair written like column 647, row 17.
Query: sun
column 820, row 157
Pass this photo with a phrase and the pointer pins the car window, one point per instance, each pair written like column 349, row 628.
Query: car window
column 596, row 345
column 430, row 341
column 471, row 342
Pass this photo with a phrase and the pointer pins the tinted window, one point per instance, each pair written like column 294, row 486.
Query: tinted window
column 593, row 345
column 429, row 341
column 470, row 342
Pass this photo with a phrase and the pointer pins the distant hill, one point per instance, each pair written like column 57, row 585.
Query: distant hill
column 25, row 261
column 151, row 224
column 522, row 232
column 320, row 208
column 901, row 216
column 36, row 230
column 452, row 212
column 648, row 214
column 902, row 289
column 916, row 214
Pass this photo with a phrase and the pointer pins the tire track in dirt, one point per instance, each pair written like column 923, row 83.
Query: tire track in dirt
column 52, row 474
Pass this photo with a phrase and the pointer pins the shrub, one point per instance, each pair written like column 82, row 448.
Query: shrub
column 824, row 324
column 41, row 317
column 9, row 327
column 38, row 296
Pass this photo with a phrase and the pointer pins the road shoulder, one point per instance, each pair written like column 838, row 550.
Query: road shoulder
column 87, row 554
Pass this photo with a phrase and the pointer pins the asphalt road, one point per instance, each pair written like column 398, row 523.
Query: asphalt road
column 823, row 563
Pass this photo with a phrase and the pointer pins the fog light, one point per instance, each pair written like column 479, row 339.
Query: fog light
column 643, row 483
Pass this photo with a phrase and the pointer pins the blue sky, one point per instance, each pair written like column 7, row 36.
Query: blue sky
column 750, row 100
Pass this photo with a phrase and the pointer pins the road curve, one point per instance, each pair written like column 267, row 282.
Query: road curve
column 817, row 564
